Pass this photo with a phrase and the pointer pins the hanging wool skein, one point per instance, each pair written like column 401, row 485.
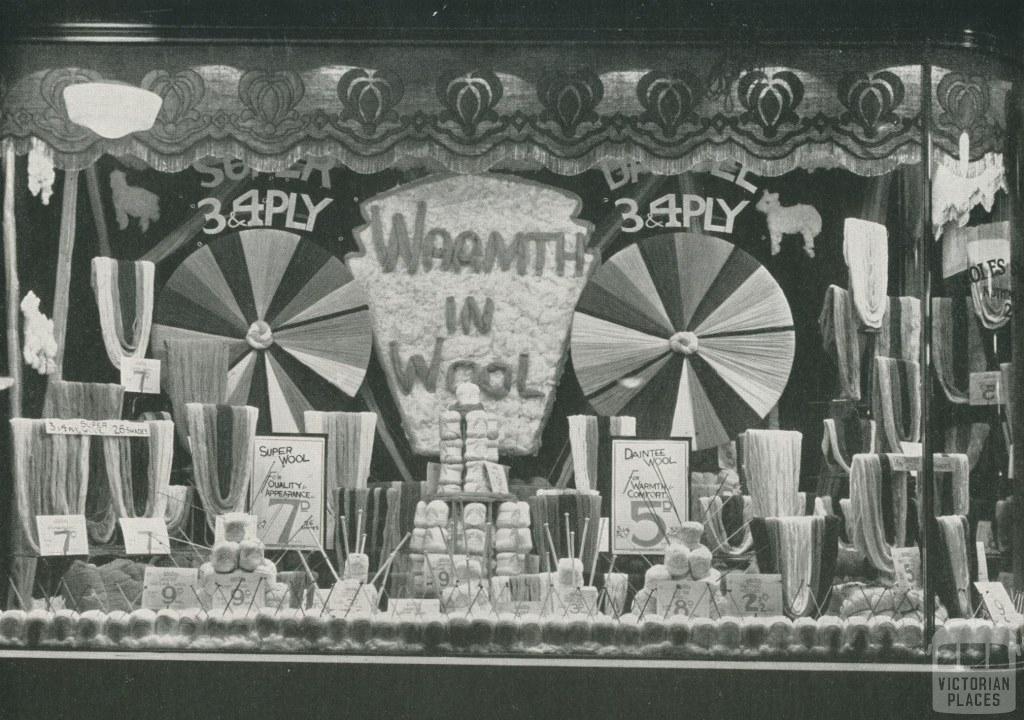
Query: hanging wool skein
column 771, row 464
column 196, row 372
column 954, row 566
column 124, row 296
column 223, row 437
column 954, row 328
column 878, row 509
column 721, row 541
column 804, row 551
column 90, row 401
column 838, row 326
column 896, row 402
column 350, row 439
column 968, row 439
column 840, row 442
column 866, row 251
column 952, row 488
column 51, row 476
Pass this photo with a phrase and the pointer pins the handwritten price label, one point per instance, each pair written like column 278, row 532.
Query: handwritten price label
column 173, row 588
column 110, row 428
column 907, row 561
column 145, row 536
column 691, row 598
column 140, row 375
column 998, row 604
column 351, row 597
column 984, row 388
column 412, row 608
column 755, row 595
column 61, row 535
column 235, row 592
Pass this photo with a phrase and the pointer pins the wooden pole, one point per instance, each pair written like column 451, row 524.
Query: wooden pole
column 92, row 184
column 11, row 278
column 924, row 274
column 65, row 252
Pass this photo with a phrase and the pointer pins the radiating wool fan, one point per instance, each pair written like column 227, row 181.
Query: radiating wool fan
column 291, row 314
column 686, row 332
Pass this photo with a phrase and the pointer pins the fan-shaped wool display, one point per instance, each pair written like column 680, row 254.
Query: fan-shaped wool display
column 294, row 321
column 686, row 332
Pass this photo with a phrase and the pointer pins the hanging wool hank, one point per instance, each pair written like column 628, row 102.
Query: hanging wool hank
column 952, row 487
column 350, row 440
column 51, row 476
column 958, row 347
column 178, row 504
column 844, row 438
column 222, row 438
column 124, row 297
column 877, row 510
column 196, row 372
column 954, row 565
column 722, row 541
column 771, row 465
column 896, row 402
column 89, row 401
column 866, row 251
column 968, row 439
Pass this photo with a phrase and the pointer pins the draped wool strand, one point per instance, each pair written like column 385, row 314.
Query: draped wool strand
column 866, row 251
column 896, row 402
column 222, row 438
column 957, row 347
column 771, row 463
column 124, row 297
column 196, row 372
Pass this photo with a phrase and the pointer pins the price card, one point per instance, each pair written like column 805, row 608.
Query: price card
column 62, row 535
column 907, row 561
column 145, row 536
column 352, row 597
column 235, row 592
column 984, row 387
column 579, row 602
column 140, row 375
column 754, row 595
column 170, row 587
column 650, row 493
column 287, row 492
column 691, row 598
column 108, row 428
column 998, row 604
column 411, row 608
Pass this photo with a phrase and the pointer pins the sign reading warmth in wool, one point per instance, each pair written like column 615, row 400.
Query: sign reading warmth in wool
column 473, row 278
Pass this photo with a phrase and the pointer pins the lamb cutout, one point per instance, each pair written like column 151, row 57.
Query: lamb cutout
column 133, row 202
column 789, row 220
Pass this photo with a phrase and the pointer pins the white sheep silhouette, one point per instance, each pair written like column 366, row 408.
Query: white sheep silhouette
column 789, row 220
column 132, row 202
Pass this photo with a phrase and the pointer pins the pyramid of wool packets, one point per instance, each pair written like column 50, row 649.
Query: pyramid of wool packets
column 238, row 576
column 469, row 441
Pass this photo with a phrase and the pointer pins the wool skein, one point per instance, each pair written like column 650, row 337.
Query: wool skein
column 195, row 372
column 222, row 444
column 124, row 297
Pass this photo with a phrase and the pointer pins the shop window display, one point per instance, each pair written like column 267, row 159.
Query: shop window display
column 674, row 354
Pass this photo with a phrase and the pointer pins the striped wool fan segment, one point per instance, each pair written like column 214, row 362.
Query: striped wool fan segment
column 350, row 439
column 222, row 439
column 90, row 401
column 896, row 402
column 124, row 297
column 952, row 493
column 968, row 439
column 196, row 372
column 878, row 509
column 771, row 464
column 723, row 539
column 866, row 251
column 177, row 508
column 957, row 347
column 954, row 567
column 51, row 477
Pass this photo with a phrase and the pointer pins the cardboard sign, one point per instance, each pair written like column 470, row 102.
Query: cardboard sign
column 140, row 375
column 218, row 527
column 145, row 536
column 409, row 608
column 754, row 595
column 982, row 561
column 352, row 597
column 170, row 587
column 907, row 561
column 984, row 387
column 108, row 428
column 579, row 602
column 650, row 493
column 497, row 477
column 998, row 604
column 236, row 592
column 691, row 598
column 910, row 460
column 62, row 535
column 287, row 493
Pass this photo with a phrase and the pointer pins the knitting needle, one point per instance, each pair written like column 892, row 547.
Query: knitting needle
column 248, row 610
column 323, row 552
column 78, row 608
column 305, row 565
column 569, row 551
column 391, row 557
column 551, row 545
column 344, row 534
column 572, row 548
column 362, row 544
column 601, row 525
column 14, row 587
column 327, row 600
column 359, row 528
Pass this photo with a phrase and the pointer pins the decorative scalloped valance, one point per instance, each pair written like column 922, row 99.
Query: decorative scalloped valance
column 472, row 117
